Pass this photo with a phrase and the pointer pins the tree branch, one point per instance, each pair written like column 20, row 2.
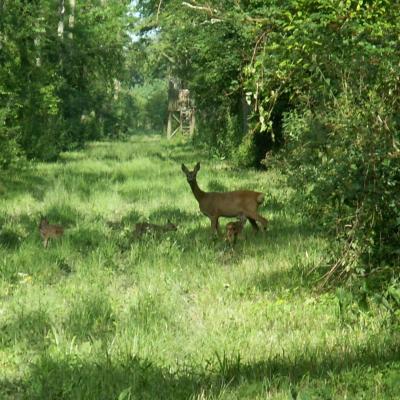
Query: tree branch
column 207, row 9
column 158, row 10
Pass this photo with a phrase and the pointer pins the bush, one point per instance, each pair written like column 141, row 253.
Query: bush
column 347, row 158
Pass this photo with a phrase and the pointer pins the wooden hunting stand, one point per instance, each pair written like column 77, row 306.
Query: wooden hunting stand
column 181, row 117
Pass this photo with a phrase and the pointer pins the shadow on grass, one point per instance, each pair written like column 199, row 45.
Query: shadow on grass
column 188, row 155
column 31, row 327
column 86, row 238
column 288, row 279
column 160, row 216
column 74, row 378
column 90, row 317
column 215, row 186
column 17, row 182
column 64, row 215
column 176, row 215
column 10, row 239
column 126, row 221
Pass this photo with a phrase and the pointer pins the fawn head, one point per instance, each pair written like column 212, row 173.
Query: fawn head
column 191, row 175
column 233, row 229
column 171, row 226
column 43, row 222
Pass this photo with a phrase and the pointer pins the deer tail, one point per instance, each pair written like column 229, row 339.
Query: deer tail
column 260, row 198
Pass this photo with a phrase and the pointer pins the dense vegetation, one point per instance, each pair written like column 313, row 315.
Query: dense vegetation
column 61, row 68
column 298, row 98
column 321, row 80
column 101, row 314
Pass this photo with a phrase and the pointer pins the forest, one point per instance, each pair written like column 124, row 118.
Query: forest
column 113, row 284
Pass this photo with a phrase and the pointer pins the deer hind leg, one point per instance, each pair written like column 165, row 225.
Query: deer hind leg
column 259, row 218
column 214, row 225
column 254, row 224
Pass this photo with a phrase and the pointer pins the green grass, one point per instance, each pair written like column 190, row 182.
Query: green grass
column 101, row 314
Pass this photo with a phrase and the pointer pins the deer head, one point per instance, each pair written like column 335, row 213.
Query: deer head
column 191, row 175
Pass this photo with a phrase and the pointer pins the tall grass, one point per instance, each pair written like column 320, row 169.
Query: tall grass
column 102, row 314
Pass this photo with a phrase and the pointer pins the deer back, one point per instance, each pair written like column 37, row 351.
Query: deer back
column 230, row 204
column 50, row 230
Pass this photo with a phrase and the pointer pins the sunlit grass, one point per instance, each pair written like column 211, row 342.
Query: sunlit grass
column 101, row 314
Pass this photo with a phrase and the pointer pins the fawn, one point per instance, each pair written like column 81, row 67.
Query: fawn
column 233, row 229
column 142, row 228
column 226, row 204
column 48, row 231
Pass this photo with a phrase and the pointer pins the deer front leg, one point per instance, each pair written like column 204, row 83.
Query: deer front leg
column 214, row 225
column 45, row 242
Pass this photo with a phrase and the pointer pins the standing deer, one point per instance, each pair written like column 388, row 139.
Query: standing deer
column 226, row 204
column 48, row 231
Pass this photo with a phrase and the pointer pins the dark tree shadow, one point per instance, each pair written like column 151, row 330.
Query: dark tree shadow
column 10, row 239
column 73, row 378
column 30, row 327
column 65, row 215
column 86, row 238
column 176, row 215
column 16, row 182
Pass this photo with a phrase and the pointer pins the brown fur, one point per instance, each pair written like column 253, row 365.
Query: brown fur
column 143, row 228
column 234, row 229
column 226, row 204
column 49, row 231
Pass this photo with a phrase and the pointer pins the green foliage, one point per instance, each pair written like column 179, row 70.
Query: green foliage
column 348, row 156
column 60, row 87
column 101, row 314
column 320, row 77
column 150, row 100
column 208, row 57
column 342, row 138
column 9, row 133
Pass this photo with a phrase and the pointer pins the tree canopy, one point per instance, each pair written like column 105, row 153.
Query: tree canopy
column 60, row 73
column 316, row 80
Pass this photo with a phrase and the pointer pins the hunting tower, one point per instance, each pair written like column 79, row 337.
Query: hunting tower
column 181, row 116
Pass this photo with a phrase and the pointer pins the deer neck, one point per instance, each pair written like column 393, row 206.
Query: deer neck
column 198, row 193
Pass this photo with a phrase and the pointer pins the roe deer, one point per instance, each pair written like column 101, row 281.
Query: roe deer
column 226, row 204
column 142, row 228
column 48, row 231
column 233, row 229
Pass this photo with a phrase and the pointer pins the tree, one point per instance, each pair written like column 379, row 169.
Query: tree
column 59, row 71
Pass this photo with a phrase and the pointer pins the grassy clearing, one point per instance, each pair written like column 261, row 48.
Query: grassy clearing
column 103, row 315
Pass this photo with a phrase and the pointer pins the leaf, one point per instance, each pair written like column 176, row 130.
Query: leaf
column 125, row 394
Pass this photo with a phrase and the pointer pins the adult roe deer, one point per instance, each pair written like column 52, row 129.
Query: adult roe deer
column 226, row 204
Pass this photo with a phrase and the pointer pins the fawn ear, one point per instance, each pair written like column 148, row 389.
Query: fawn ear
column 184, row 169
column 197, row 167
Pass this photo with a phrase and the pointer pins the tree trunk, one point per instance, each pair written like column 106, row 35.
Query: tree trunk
column 60, row 30
column 71, row 19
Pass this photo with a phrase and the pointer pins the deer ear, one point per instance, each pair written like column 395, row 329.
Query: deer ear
column 197, row 167
column 184, row 169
